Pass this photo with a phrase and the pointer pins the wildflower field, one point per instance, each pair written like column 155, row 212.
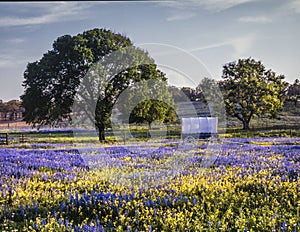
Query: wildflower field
column 252, row 185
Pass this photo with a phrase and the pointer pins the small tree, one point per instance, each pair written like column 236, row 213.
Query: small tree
column 148, row 101
column 115, row 87
column 190, row 93
column 294, row 91
column 250, row 89
column 209, row 92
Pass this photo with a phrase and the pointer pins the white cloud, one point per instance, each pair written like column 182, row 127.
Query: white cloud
column 294, row 6
column 175, row 78
column 210, row 46
column 241, row 45
column 255, row 19
column 220, row 5
column 210, row 5
column 14, row 58
column 181, row 16
column 15, row 40
column 52, row 12
column 7, row 61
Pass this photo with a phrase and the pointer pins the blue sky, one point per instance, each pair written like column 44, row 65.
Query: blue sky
column 213, row 31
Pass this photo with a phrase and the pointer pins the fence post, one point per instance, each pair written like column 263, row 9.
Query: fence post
column 124, row 132
column 6, row 138
column 22, row 138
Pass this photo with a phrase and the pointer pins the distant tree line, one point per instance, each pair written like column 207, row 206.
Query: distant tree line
column 68, row 73
column 291, row 92
column 11, row 110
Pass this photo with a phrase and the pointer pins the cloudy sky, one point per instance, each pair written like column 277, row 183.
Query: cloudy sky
column 213, row 32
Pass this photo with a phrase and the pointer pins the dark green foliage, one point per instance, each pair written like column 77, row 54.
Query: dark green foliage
column 293, row 92
column 50, row 83
column 88, row 72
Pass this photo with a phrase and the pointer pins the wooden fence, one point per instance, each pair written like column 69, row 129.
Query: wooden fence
column 4, row 138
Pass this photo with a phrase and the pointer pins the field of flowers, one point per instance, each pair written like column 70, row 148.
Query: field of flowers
column 253, row 185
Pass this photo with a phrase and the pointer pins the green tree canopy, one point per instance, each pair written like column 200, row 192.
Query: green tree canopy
column 250, row 89
column 50, row 83
column 84, row 74
column 124, row 81
column 148, row 101
column 107, row 79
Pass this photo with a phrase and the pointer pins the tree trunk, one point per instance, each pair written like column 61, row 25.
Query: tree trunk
column 149, row 129
column 295, row 101
column 101, row 132
column 246, row 125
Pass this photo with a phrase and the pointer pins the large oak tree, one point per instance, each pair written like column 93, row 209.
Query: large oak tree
column 250, row 89
column 50, row 83
column 94, row 65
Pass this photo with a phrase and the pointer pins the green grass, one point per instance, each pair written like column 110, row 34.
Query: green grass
column 286, row 126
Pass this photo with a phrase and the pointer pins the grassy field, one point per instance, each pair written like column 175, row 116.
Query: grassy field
column 287, row 126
